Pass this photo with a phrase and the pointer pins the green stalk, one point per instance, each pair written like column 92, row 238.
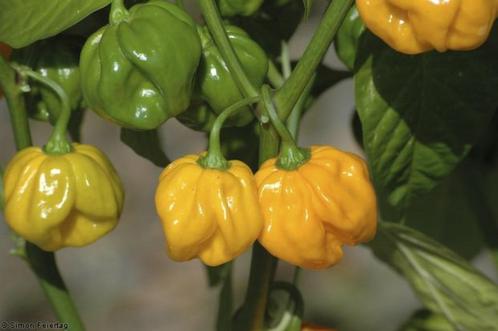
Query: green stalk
column 289, row 94
column 42, row 263
column 214, row 23
column 57, row 143
column 214, row 159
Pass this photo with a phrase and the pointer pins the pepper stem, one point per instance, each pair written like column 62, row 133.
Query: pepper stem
column 118, row 12
column 57, row 143
column 291, row 156
column 214, row 158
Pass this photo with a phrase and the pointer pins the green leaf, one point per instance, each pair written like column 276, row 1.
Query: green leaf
column 447, row 214
column 424, row 320
column 308, row 4
column 421, row 114
column 275, row 22
column 446, row 283
column 146, row 144
column 327, row 77
column 26, row 21
column 348, row 37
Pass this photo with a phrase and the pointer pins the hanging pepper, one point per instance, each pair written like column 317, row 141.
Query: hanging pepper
column 62, row 195
column 138, row 71
column 239, row 7
column 417, row 26
column 216, row 89
column 208, row 206
column 58, row 60
column 57, row 201
column 314, row 201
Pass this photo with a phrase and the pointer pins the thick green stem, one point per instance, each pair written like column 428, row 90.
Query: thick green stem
column 42, row 263
column 44, row 266
column 214, row 23
column 57, row 143
column 214, row 158
column 290, row 156
column 118, row 12
column 15, row 102
column 289, row 94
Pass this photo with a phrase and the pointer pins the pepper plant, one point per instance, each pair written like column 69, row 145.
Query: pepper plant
column 426, row 92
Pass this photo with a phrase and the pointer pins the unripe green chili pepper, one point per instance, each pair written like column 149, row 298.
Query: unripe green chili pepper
column 239, row 7
column 58, row 60
column 215, row 85
column 138, row 71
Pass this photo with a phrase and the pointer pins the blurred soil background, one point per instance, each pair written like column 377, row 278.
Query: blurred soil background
column 126, row 282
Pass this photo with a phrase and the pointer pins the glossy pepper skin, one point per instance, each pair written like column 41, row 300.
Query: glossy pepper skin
column 57, row 201
column 211, row 214
column 139, row 71
column 416, row 26
column 239, row 7
column 216, row 89
column 57, row 59
column 310, row 212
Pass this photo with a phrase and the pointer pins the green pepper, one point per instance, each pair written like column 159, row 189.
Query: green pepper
column 239, row 7
column 138, row 71
column 216, row 89
column 57, row 59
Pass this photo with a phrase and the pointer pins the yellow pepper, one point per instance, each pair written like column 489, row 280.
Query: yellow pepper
column 212, row 214
column 311, row 211
column 57, row 201
column 416, row 26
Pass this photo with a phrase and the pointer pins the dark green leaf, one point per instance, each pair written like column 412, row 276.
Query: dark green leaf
column 421, row 114
column 446, row 283
column 327, row 77
column 348, row 36
column 26, row 21
column 146, row 144
column 447, row 214
column 275, row 22
column 424, row 320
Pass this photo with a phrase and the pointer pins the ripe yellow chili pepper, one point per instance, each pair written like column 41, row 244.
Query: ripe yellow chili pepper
column 416, row 26
column 208, row 213
column 310, row 212
column 57, row 201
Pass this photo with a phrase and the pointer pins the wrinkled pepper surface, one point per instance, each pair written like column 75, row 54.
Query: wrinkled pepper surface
column 239, row 7
column 57, row 201
column 416, row 26
column 58, row 60
column 216, row 89
column 138, row 71
column 310, row 212
column 207, row 213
